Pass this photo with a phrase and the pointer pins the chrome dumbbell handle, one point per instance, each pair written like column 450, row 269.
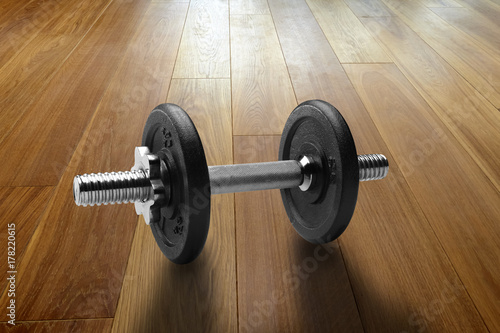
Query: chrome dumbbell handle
column 135, row 186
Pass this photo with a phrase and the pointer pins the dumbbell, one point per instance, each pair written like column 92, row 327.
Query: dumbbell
column 318, row 173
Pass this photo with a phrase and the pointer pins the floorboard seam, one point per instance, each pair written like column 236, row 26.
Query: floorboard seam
column 232, row 159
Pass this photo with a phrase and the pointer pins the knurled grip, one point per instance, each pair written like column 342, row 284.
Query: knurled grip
column 255, row 176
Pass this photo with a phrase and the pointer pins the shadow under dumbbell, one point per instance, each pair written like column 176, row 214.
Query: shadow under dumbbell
column 305, row 288
column 325, row 298
column 195, row 297
column 181, row 298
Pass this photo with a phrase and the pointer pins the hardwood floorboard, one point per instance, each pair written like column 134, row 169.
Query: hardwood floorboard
column 9, row 10
column 262, row 94
column 204, row 50
column 285, row 284
column 463, row 53
column 368, row 8
column 46, row 16
column 25, row 77
column 157, row 294
column 22, row 26
column 439, row 3
column 246, row 7
column 399, row 270
column 475, row 25
column 466, row 113
column 347, row 36
column 99, row 238
column 67, row 103
column 23, row 207
column 433, row 163
column 69, row 326
column 487, row 8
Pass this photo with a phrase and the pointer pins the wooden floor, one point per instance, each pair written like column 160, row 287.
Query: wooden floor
column 418, row 81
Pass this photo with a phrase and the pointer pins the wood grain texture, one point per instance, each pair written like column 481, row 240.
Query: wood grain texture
column 262, row 94
column 402, row 278
column 304, row 47
column 9, row 9
column 24, row 24
column 348, row 37
column 76, row 276
column 466, row 113
column 57, row 18
column 245, row 7
column 285, row 284
column 204, row 50
column 486, row 8
column 439, row 3
column 368, row 8
column 423, row 152
column 463, row 53
column 160, row 296
column 388, row 229
column 69, row 326
column 67, row 103
column 22, row 206
column 475, row 25
column 26, row 75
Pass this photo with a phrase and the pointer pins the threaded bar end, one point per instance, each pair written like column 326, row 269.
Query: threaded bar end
column 372, row 167
column 111, row 188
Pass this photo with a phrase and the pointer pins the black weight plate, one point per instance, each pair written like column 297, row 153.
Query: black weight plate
column 318, row 130
column 182, row 229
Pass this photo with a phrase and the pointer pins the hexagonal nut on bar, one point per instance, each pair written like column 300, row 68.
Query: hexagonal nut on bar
column 150, row 164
